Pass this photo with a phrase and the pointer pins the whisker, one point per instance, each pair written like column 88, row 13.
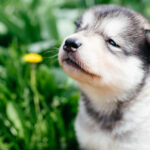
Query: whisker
column 51, row 56
column 50, row 60
column 51, row 51
column 54, row 48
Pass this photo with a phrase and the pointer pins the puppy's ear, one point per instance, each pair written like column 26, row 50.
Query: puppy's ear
column 147, row 33
column 78, row 22
column 147, row 49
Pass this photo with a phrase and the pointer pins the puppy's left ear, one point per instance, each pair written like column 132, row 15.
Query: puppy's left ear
column 78, row 22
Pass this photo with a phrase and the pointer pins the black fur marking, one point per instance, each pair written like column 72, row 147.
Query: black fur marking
column 145, row 48
column 144, row 53
column 105, row 121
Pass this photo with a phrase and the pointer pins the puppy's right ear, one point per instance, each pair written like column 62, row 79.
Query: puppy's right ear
column 147, row 50
column 147, row 34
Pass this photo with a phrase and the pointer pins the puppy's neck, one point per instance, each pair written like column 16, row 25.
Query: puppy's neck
column 102, row 100
column 107, row 107
column 106, row 100
column 101, row 107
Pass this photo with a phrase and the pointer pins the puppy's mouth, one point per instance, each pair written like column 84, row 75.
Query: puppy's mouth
column 73, row 63
column 78, row 65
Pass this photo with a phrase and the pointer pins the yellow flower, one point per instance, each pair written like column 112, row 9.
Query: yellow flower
column 32, row 58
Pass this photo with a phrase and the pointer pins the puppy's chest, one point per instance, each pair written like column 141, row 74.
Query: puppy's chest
column 93, row 137
column 104, row 121
column 96, row 131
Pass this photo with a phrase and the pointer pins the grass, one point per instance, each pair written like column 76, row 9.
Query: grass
column 38, row 102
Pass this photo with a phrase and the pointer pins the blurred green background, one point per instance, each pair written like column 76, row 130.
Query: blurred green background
column 38, row 102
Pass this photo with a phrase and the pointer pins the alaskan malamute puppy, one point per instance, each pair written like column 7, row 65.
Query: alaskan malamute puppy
column 109, row 57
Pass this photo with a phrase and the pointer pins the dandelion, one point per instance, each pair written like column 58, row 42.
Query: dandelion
column 32, row 58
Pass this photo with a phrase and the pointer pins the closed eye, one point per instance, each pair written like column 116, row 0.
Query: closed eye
column 113, row 43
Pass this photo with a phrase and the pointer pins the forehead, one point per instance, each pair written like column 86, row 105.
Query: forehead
column 111, row 24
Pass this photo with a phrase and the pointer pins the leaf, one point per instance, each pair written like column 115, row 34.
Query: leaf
column 15, row 115
column 3, row 146
column 13, row 27
column 60, row 77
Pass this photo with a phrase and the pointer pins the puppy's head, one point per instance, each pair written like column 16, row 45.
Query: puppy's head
column 110, row 48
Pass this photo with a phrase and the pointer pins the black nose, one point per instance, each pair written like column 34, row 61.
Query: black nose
column 71, row 45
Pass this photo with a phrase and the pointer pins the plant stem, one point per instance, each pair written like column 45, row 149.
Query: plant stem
column 33, row 86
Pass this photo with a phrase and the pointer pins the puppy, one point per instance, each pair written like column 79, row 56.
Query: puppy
column 109, row 57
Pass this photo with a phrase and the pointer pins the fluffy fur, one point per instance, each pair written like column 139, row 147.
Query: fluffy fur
column 111, row 68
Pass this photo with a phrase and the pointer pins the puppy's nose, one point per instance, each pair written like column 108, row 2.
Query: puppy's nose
column 71, row 45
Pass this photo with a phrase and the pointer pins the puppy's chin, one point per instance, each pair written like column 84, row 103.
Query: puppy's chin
column 79, row 73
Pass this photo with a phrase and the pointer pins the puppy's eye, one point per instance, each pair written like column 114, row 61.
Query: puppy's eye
column 113, row 43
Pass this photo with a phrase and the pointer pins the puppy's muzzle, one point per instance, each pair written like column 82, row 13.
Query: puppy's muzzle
column 71, row 45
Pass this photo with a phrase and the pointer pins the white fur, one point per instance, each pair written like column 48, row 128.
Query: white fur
column 87, row 19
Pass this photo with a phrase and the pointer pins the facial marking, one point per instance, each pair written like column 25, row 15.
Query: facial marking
column 113, row 27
